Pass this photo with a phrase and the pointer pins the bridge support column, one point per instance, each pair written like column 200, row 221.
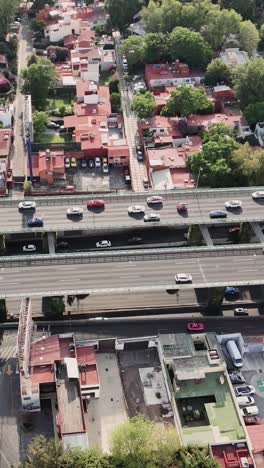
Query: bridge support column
column 258, row 231
column 206, row 235
column 215, row 299
column 51, row 242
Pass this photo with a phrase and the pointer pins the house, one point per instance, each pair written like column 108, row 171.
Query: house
column 223, row 92
column 233, row 57
column 92, row 99
column 259, row 133
column 232, row 455
column 6, row 115
column 137, row 29
column 173, row 74
column 5, row 142
column 48, row 166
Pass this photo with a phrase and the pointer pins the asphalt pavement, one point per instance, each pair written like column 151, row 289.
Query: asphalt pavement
column 54, row 212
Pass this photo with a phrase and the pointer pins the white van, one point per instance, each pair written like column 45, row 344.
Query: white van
column 234, row 353
column 249, row 411
column 245, row 401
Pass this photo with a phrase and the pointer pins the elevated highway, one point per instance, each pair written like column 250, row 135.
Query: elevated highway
column 115, row 215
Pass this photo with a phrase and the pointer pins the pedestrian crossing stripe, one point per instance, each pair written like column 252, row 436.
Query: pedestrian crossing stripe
column 7, row 352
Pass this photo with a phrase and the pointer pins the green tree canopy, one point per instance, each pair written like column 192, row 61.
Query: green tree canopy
column 248, row 37
column 156, row 47
column 249, row 164
column 133, row 49
column 254, row 113
column 218, row 72
column 37, row 25
column 115, row 100
column 38, row 78
column 220, row 25
column 143, row 105
column 190, row 47
column 249, row 82
column 40, row 120
column 7, row 11
column 122, row 11
column 246, row 8
column 185, row 100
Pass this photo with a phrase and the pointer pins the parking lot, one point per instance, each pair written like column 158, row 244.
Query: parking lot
column 95, row 180
column 253, row 371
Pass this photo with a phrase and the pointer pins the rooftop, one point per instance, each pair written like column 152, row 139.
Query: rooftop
column 231, row 455
column 167, row 71
column 234, row 56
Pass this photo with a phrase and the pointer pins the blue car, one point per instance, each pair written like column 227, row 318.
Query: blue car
column 232, row 290
column 218, row 214
column 35, row 222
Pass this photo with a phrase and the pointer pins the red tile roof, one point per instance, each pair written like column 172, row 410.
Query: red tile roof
column 256, row 435
column 229, row 455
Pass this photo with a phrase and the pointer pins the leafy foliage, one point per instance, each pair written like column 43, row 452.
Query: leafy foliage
column 156, row 47
column 38, row 78
column 143, row 105
column 7, row 11
column 37, row 25
column 122, row 11
column 115, row 100
column 190, row 47
column 254, row 112
column 220, row 25
column 218, row 72
column 249, row 82
column 40, row 120
column 249, row 164
column 185, row 100
column 133, row 49
column 248, row 37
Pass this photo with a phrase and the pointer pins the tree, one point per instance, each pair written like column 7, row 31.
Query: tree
column 219, row 27
column 254, row 113
column 249, row 164
column 32, row 59
column 194, row 235
column 215, row 158
column 248, row 37
column 195, row 457
column 190, row 47
column 122, row 11
column 133, row 49
column 37, row 25
column 138, row 442
column 246, row 8
column 38, row 79
column 53, row 307
column 218, row 72
column 194, row 15
column 115, row 100
column 185, row 100
column 249, row 82
column 261, row 35
column 156, row 47
column 170, row 14
column 27, row 186
column 58, row 54
column 43, row 453
column 2, row 244
column 7, row 11
column 114, row 84
column 40, row 120
column 143, row 105
column 151, row 16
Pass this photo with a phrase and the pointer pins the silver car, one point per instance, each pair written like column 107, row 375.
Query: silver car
column 245, row 390
column 258, row 195
column 29, row 248
column 151, row 218
column 233, row 204
column 103, row 244
column 75, row 211
column 183, row 278
column 27, row 205
column 136, row 209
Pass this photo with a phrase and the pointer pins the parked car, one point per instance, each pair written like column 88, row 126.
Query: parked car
column 91, row 163
column 236, row 378
column 75, row 211
column 67, row 163
column 259, row 195
column 181, row 208
column 245, row 390
column 140, row 156
column 96, row 203
column 97, row 162
column 135, row 240
column 52, row 125
column 240, row 311
column 27, row 205
column 136, row 209
column 233, row 204
column 152, row 217
column 105, row 168
column 29, row 248
column 217, row 214
column 83, row 163
column 154, row 200
column 73, row 162
column 183, row 278
column 245, row 401
column 103, row 244
column 254, row 420
column 249, row 411
column 195, row 326
column 35, row 222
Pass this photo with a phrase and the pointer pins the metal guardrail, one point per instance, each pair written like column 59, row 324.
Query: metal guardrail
column 131, row 255
column 182, row 193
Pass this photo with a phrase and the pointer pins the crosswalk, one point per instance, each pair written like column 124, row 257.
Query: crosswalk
column 7, row 352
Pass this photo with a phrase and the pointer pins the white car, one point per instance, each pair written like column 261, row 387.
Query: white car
column 249, row 411
column 258, row 195
column 105, row 168
column 67, row 163
column 97, row 162
column 136, row 209
column 245, row 390
column 151, row 217
column 29, row 248
column 103, row 244
column 233, row 204
column 245, row 401
column 27, row 205
column 183, row 278
column 74, row 211
column 154, row 200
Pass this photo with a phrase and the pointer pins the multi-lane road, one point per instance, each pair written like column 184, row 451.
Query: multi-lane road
column 116, row 215
column 135, row 275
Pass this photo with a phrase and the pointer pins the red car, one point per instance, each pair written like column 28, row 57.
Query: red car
column 181, row 207
column 252, row 420
column 95, row 203
column 195, row 326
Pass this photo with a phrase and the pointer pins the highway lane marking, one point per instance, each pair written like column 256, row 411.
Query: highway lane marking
column 125, row 266
column 69, row 280
column 202, row 272
column 130, row 276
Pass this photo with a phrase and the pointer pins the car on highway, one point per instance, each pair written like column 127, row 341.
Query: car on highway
column 62, row 245
column 35, row 222
column 230, row 290
column 136, row 209
column 75, row 211
column 96, row 203
column 245, row 390
column 103, row 244
column 134, row 240
column 245, row 401
column 183, row 278
column 152, row 217
column 217, row 214
column 154, row 200
column 73, row 163
column 233, row 204
column 67, row 163
column 233, row 230
column 259, row 195
column 27, row 205
column 240, row 311
column 181, row 208
column 29, row 248
column 236, row 378
column 251, row 421
column 83, row 163
column 249, row 411
column 195, row 326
